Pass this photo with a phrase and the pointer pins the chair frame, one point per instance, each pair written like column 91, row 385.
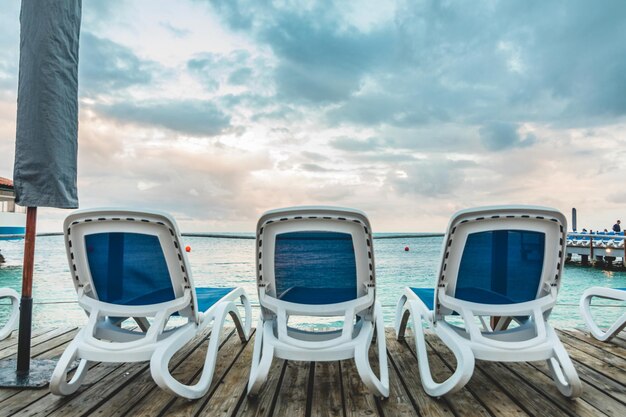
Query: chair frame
column 14, row 316
column 585, row 311
column 104, row 340
column 532, row 340
column 275, row 339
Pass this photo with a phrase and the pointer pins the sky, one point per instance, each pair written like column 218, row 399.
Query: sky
column 217, row 111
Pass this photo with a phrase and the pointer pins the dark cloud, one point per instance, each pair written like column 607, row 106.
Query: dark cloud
column 357, row 145
column 499, row 136
column 106, row 66
column 315, row 168
column 314, row 156
column 176, row 31
column 213, row 69
column 193, row 117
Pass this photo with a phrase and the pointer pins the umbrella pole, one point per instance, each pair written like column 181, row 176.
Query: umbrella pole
column 27, row 373
column 26, row 305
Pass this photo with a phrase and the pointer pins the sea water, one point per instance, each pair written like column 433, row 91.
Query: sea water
column 230, row 262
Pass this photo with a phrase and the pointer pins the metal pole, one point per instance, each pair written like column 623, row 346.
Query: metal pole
column 26, row 305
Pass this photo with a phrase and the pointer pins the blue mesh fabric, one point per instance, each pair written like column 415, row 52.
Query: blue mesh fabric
column 501, row 267
column 306, row 261
column 207, row 297
column 128, row 268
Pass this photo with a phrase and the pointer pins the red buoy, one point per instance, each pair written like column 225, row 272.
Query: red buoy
column 188, row 248
column 406, row 248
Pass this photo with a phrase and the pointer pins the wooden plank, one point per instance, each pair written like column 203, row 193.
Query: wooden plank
column 147, row 398
column 606, row 346
column 615, row 362
column 12, row 341
column 188, row 365
column 530, row 399
column 496, row 400
column 544, row 384
column 357, row 398
column 44, row 339
column 102, row 385
column 591, row 394
column 327, row 400
column 399, row 402
column 404, row 360
column 48, row 402
column 263, row 404
column 462, row 403
column 608, row 365
column 228, row 395
column 292, row 395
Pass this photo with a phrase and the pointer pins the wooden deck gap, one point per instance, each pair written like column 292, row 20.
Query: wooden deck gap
column 343, row 396
column 241, row 399
column 309, row 391
column 277, row 392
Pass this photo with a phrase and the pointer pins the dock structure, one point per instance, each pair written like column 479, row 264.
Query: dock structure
column 329, row 388
column 603, row 247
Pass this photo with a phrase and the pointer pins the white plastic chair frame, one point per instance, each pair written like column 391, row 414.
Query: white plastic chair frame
column 14, row 315
column 104, row 340
column 585, row 311
column 275, row 339
column 530, row 341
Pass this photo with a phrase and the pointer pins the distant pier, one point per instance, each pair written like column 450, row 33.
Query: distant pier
column 601, row 249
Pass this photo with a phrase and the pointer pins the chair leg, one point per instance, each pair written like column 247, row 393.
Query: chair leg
column 562, row 369
column 402, row 318
column 159, row 363
column 261, row 358
column 58, row 382
column 379, row 387
column 243, row 326
column 463, row 354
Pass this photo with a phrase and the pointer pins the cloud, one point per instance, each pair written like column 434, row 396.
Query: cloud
column 193, row 117
column 499, row 136
column 105, row 66
column 429, row 177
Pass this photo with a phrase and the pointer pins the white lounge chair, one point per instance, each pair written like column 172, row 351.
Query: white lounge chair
column 501, row 262
column 14, row 315
column 317, row 262
column 132, row 264
column 618, row 294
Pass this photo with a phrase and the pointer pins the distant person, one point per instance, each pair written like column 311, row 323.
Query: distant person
column 616, row 227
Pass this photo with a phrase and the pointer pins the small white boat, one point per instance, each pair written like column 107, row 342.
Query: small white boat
column 12, row 216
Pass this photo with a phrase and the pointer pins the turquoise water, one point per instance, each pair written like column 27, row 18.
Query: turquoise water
column 230, row 262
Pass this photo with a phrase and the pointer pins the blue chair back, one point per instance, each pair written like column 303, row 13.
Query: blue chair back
column 306, row 261
column 501, row 267
column 128, row 268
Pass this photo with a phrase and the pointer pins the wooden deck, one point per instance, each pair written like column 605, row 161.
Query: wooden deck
column 331, row 388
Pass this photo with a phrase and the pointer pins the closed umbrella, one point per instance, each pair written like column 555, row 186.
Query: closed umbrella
column 45, row 146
